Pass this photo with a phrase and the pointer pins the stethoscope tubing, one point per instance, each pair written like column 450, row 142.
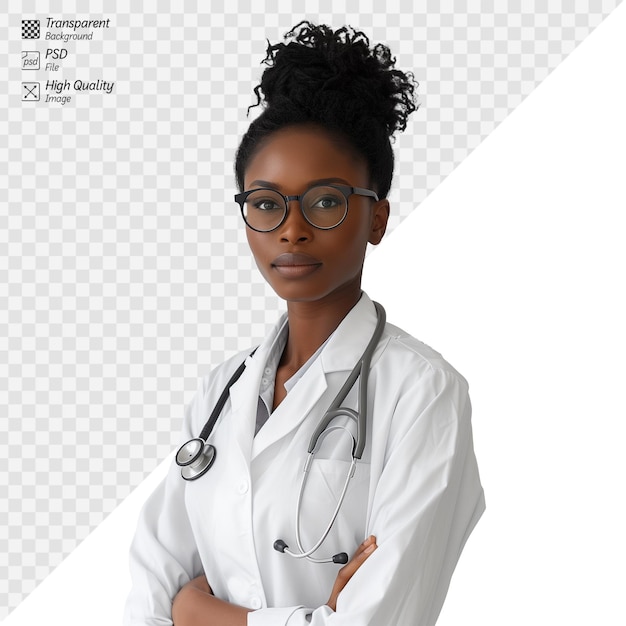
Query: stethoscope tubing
column 307, row 553
column 198, row 461
column 217, row 409
column 335, row 409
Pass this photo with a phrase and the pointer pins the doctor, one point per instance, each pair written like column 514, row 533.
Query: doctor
column 314, row 171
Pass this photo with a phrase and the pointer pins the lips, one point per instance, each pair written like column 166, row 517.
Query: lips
column 295, row 258
column 295, row 264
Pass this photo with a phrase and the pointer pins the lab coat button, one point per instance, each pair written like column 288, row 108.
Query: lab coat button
column 243, row 487
column 255, row 602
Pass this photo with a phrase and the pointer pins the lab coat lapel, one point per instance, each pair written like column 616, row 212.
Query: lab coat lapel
column 349, row 341
column 244, row 394
column 293, row 409
column 340, row 354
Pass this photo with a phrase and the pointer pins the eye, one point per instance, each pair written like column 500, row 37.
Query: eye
column 327, row 201
column 265, row 204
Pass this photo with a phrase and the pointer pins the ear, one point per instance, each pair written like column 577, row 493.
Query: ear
column 380, row 216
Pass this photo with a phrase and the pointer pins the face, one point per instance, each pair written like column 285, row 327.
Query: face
column 299, row 261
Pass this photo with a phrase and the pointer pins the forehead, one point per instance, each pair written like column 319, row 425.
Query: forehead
column 292, row 157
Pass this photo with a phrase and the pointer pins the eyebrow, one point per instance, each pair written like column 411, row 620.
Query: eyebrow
column 311, row 183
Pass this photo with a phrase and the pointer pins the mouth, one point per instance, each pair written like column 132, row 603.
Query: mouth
column 295, row 265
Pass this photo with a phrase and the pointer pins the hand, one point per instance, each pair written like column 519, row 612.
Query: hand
column 347, row 571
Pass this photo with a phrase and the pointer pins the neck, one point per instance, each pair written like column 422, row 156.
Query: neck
column 311, row 323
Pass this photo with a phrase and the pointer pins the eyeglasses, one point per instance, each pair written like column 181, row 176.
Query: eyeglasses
column 323, row 206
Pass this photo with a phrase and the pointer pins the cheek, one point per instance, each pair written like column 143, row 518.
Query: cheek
column 355, row 237
column 347, row 250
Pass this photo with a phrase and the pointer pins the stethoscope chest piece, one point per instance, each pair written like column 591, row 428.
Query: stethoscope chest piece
column 195, row 458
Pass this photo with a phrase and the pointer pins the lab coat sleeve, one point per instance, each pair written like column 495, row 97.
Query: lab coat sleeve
column 163, row 554
column 427, row 500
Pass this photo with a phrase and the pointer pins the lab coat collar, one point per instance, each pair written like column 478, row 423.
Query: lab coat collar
column 250, row 381
column 244, row 394
column 344, row 346
column 342, row 351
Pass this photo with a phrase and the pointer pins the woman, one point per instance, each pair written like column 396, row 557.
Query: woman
column 314, row 171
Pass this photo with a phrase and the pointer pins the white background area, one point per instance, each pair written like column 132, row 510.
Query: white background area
column 514, row 269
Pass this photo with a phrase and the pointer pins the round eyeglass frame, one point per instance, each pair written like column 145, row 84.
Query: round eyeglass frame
column 346, row 190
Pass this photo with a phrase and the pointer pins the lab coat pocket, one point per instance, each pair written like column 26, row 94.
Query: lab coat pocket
column 333, row 474
column 326, row 481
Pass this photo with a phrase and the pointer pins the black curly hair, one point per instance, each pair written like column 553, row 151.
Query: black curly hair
column 333, row 79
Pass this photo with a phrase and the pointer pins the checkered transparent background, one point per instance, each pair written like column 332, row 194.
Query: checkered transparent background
column 124, row 273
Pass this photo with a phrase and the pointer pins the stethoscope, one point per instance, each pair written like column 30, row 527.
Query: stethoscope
column 197, row 456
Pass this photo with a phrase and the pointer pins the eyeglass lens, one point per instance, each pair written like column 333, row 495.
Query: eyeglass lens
column 324, row 207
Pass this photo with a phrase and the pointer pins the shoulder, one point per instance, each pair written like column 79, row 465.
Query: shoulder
column 221, row 374
column 413, row 359
column 418, row 394
column 209, row 389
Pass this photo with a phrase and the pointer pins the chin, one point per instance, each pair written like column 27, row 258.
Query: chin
column 302, row 292
column 298, row 295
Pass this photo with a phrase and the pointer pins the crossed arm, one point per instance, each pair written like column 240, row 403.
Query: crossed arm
column 195, row 604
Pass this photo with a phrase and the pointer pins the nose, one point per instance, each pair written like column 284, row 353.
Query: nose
column 295, row 228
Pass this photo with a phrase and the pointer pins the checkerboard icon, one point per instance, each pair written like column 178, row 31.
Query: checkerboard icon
column 30, row 29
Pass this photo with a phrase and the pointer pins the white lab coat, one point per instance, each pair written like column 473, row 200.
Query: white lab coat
column 417, row 489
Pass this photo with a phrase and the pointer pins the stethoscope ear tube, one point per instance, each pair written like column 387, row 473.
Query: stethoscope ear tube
column 334, row 411
column 280, row 546
column 306, row 554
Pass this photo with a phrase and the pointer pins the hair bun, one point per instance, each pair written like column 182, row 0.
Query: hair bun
column 335, row 76
column 335, row 80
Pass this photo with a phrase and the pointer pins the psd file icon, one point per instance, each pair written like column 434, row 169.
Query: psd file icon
column 30, row 92
column 30, row 59
column 30, row 29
